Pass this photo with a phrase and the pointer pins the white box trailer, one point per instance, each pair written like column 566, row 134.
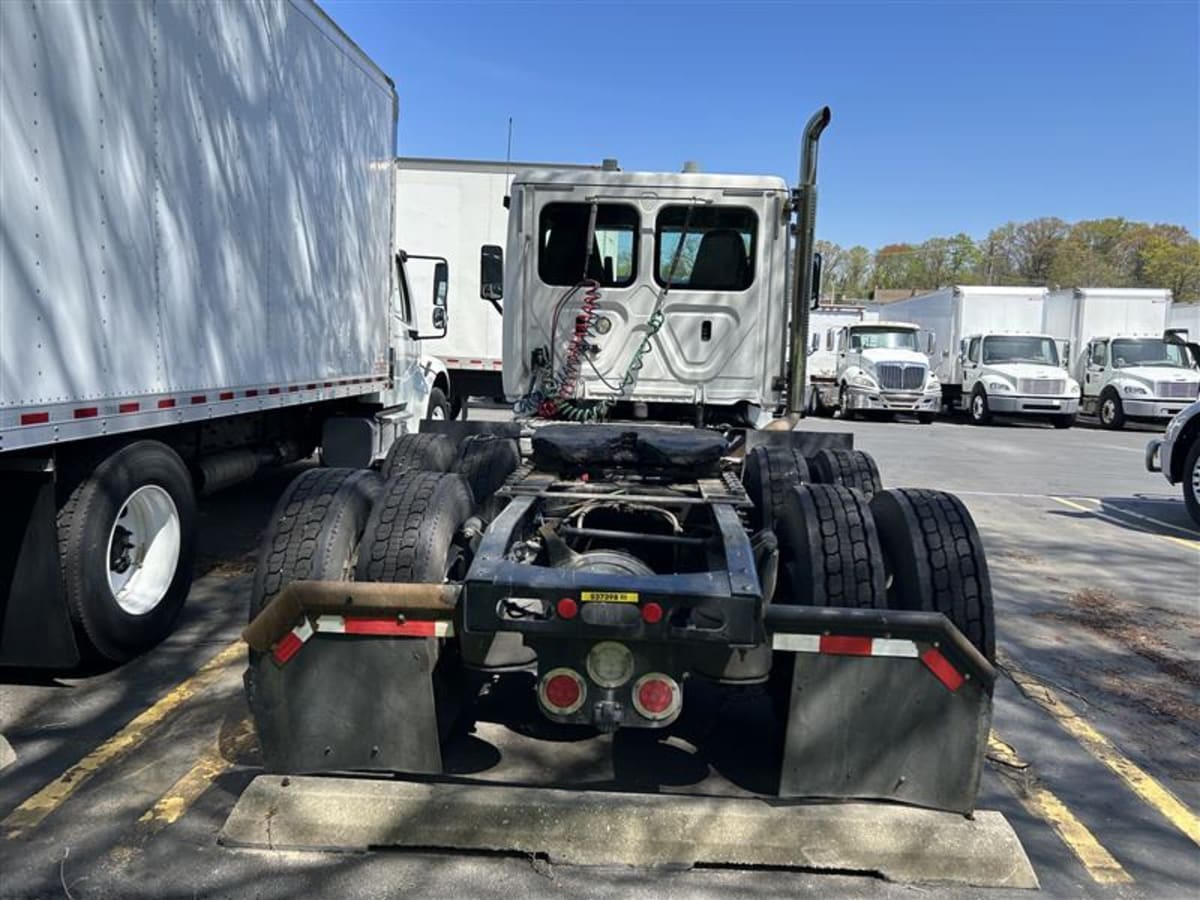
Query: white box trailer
column 196, row 278
column 1186, row 316
column 992, row 355
column 458, row 206
column 1117, row 352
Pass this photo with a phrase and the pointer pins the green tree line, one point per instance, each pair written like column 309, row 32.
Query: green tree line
column 1110, row 252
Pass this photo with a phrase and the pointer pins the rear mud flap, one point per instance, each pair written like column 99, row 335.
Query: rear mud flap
column 348, row 703
column 883, row 728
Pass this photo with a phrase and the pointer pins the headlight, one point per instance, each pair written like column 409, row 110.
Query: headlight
column 1072, row 386
column 998, row 386
column 863, row 380
column 1134, row 390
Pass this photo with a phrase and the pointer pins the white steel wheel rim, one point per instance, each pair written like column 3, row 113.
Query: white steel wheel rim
column 1196, row 477
column 438, row 413
column 977, row 406
column 1108, row 410
column 143, row 550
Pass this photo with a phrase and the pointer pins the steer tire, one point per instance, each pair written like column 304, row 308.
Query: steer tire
column 1111, row 411
column 1191, row 480
column 410, row 536
column 768, row 473
column 937, row 561
column 980, row 412
column 94, row 500
column 849, row 468
column 485, row 461
column 314, row 532
column 426, row 452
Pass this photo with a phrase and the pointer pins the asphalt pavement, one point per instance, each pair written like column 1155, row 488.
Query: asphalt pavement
column 123, row 778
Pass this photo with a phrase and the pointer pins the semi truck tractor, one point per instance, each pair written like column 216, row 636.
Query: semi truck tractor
column 824, row 323
column 1118, row 353
column 994, row 357
column 461, row 207
column 610, row 569
column 197, row 279
column 883, row 368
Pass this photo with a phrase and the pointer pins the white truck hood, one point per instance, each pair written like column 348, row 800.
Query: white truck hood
column 878, row 355
column 1154, row 374
column 1014, row 371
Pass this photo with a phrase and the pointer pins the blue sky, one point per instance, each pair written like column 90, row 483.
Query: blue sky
column 947, row 117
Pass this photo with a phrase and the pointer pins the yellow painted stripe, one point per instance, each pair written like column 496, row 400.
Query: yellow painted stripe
column 1101, row 865
column 34, row 810
column 1140, row 782
column 170, row 807
column 1184, row 542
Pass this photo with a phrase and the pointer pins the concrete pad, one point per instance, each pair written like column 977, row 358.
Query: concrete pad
column 899, row 843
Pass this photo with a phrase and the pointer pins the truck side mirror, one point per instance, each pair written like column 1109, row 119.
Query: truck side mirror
column 441, row 291
column 441, row 286
column 815, row 343
column 491, row 275
column 930, row 341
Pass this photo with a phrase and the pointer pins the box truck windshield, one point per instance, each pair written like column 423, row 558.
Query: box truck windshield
column 876, row 338
column 1147, row 352
column 1019, row 349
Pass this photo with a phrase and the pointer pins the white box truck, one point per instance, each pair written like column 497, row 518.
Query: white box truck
column 459, row 206
column 993, row 357
column 1117, row 352
column 1185, row 317
column 196, row 278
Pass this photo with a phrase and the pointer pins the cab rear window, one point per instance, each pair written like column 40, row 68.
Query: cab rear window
column 718, row 247
column 563, row 255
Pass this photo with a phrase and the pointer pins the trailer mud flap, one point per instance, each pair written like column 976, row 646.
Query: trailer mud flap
column 882, row 705
column 348, row 702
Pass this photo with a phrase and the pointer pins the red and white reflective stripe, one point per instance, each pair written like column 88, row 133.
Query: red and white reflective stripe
column 290, row 644
column 384, row 627
column 459, row 362
column 844, row 645
column 857, row 645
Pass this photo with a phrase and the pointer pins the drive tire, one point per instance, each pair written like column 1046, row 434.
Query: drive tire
column 410, row 534
column 854, row 469
column 438, row 409
column 936, row 560
column 485, row 461
column 94, row 502
column 1110, row 411
column 1191, row 480
column 1065, row 420
column 979, row 411
column 768, row 474
column 425, row 452
column 314, row 532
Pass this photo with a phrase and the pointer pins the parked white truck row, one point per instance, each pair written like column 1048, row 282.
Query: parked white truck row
column 1011, row 351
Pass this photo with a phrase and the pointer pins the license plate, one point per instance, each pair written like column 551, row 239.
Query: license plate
column 608, row 597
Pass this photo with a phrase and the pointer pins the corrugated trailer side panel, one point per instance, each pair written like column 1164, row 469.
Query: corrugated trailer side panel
column 197, row 196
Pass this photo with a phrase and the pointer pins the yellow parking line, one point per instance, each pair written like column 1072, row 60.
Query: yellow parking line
column 1191, row 545
column 35, row 809
column 1140, row 782
column 170, row 807
column 1101, row 865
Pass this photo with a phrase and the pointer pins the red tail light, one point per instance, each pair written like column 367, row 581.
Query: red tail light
column 562, row 691
column 567, row 608
column 657, row 696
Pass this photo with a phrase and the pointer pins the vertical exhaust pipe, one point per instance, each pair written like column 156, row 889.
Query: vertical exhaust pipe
column 805, row 199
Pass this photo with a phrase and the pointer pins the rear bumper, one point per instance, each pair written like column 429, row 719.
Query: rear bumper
column 1006, row 404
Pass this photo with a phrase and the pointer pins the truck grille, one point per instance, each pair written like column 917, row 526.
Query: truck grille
column 1175, row 389
column 1044, row 387
column 901, row 376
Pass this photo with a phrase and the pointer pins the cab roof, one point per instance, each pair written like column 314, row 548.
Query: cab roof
column 599, row 178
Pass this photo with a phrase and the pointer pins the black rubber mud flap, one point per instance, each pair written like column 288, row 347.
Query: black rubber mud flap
column 347, row 702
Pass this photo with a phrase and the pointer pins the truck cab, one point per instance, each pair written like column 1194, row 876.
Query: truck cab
column 646, row 294
column 1013, row 373
column 1136, row 376
column 884, row 367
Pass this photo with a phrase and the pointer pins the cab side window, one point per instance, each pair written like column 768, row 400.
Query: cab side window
column 973, row 350
column 1098, row 353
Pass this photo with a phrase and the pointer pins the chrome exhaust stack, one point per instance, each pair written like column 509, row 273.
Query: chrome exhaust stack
column 804, row 275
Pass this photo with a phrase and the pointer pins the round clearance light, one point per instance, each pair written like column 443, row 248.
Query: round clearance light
column 610, row 664
column 652, row 613
column 657, row 696
column 567, row 608
column 603, row 325
column 561, row 691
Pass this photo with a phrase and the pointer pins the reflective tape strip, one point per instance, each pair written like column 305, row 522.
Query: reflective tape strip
column 291, row 642
column 941, row 667
column 844, row 645
column 384, row 627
